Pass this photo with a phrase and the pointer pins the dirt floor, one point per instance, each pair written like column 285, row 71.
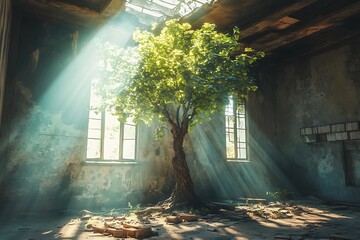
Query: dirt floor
column 276, row 220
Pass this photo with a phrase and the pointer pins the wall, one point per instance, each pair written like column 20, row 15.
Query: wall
column 315, row 90
column 5, row 19
column 47, row 111
column 46, row 131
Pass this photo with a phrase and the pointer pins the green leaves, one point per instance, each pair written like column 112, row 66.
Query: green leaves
column 178, row 76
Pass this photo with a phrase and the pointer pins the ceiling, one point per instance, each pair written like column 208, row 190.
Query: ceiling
column 268, row 25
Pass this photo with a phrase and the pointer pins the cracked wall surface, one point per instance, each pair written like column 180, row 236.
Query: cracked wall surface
column 319, row 89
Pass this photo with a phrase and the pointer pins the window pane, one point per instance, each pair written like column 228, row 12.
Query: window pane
column 129, row 149
column 93, row 148
column 236, row 145
column 242, row 153
column 111, row 137
column 230, row 153
column 129, row 132
column 94, row 133
column 94, row 114
column 94, row 124
column 241, row 136
column 241, row 122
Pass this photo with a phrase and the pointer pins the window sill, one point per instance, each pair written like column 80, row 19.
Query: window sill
column 238, row 160
column 110, row 163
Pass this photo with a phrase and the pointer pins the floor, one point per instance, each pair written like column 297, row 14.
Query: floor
column 277, row 220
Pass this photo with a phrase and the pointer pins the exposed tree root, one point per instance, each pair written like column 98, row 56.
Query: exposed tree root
column 168, row 206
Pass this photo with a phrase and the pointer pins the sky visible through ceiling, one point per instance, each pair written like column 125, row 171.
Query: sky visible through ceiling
column 155, row 11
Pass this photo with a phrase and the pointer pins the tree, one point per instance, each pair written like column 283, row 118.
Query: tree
column 178, row 76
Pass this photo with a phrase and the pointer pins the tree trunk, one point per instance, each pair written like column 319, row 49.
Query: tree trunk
column 184, row 188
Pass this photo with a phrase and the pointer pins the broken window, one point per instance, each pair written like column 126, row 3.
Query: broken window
column 236, row 131
column 108, row 139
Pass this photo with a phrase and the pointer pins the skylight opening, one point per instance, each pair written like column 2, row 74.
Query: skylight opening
column 164, row 4
column 158, row 10
column 152, row 13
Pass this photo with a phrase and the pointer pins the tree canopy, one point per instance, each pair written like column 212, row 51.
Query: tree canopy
column 178, row 76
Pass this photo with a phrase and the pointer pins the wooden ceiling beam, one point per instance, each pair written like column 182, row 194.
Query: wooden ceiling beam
column 270, row 20
column 272, row 41
column 63, row 6
column 317, row 43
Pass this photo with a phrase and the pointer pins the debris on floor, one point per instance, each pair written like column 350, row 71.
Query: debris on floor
column 255, row 220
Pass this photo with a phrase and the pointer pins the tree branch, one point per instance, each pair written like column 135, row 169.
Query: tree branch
column 167, row 115
column 177, row 116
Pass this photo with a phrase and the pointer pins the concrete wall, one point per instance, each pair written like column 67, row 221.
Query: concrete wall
column 44, row 139
column 320, row 89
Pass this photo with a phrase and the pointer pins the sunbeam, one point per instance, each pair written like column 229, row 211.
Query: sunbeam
column 47, row 140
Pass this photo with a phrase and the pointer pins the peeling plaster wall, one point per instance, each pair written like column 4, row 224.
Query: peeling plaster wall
column 47, row 130
column 317, row 90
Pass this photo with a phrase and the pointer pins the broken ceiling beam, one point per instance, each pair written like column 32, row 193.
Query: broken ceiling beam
column 270, row 21
column 273, row 41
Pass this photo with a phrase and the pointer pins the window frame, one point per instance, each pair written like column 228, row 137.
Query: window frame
column 235, row 114
column 121, row 159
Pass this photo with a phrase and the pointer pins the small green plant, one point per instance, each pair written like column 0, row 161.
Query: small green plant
column 132, row 209
column 280, row 194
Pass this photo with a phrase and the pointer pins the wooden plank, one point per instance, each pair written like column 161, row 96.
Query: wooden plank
column 315, row 43
column 269, row 21
column 63, row 6
column 272, row 41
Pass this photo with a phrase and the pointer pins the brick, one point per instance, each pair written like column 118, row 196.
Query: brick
column 188, row 217
column 324, row 129
column 352, row 126
column 99, row 229
column 308, row 131
column 331, row 137
column 341, row 136
column 173, row 219
column 338, row 127
column 302, row 131
column 314, row 130
column 322, row 137
column 310, row 139
column 354, row 135
column 118, row 233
